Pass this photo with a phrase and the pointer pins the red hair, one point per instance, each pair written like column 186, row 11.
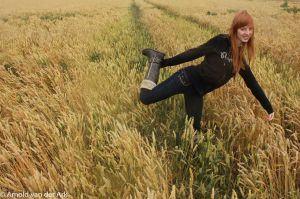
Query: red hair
column 241, row 19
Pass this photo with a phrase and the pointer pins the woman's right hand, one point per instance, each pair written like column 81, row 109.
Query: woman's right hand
column 270, row 116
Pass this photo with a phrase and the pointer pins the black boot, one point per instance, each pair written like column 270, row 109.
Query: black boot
column 155, row 59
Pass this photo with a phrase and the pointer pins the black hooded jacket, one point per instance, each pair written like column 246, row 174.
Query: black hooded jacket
column 216, row 68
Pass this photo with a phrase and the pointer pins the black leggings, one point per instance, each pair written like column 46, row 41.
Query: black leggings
column 178, row 83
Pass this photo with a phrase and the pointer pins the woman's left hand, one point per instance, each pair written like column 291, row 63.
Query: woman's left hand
column 270, row 116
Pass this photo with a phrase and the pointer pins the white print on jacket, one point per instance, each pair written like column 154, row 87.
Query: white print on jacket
column 225, row 56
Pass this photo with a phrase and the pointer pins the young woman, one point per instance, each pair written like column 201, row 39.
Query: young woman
column 223, row 59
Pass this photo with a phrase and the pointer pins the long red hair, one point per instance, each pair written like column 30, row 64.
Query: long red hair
column 242, row 18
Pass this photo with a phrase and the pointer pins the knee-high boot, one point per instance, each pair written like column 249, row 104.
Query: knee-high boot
column 155, row 59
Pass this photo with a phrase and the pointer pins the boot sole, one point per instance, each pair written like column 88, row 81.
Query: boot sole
column 148, row 52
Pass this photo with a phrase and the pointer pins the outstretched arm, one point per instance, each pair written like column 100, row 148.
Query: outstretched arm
column 192, row 53
column 256, row 90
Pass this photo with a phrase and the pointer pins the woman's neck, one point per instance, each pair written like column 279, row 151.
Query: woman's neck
column 240, row 44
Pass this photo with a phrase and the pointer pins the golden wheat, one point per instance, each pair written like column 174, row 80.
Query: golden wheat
column 71, row 119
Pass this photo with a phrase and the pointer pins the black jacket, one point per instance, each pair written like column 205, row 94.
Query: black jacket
column 216, row 68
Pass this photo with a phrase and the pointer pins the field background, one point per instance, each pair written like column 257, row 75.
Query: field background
column 71, row 121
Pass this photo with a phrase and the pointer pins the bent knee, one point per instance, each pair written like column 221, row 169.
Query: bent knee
column 145, row 100
column 144, row 97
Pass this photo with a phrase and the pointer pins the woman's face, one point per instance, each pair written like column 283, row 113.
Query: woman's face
column 244, row 33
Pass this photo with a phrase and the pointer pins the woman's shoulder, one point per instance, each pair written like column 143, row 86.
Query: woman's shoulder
column 217, row 38
column 223, row 35
column 221, row 39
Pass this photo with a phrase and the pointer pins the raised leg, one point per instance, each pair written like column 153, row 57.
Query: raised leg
column 155, row 59
column 175, row 84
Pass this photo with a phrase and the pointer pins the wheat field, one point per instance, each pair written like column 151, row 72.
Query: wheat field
column 71, row 120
